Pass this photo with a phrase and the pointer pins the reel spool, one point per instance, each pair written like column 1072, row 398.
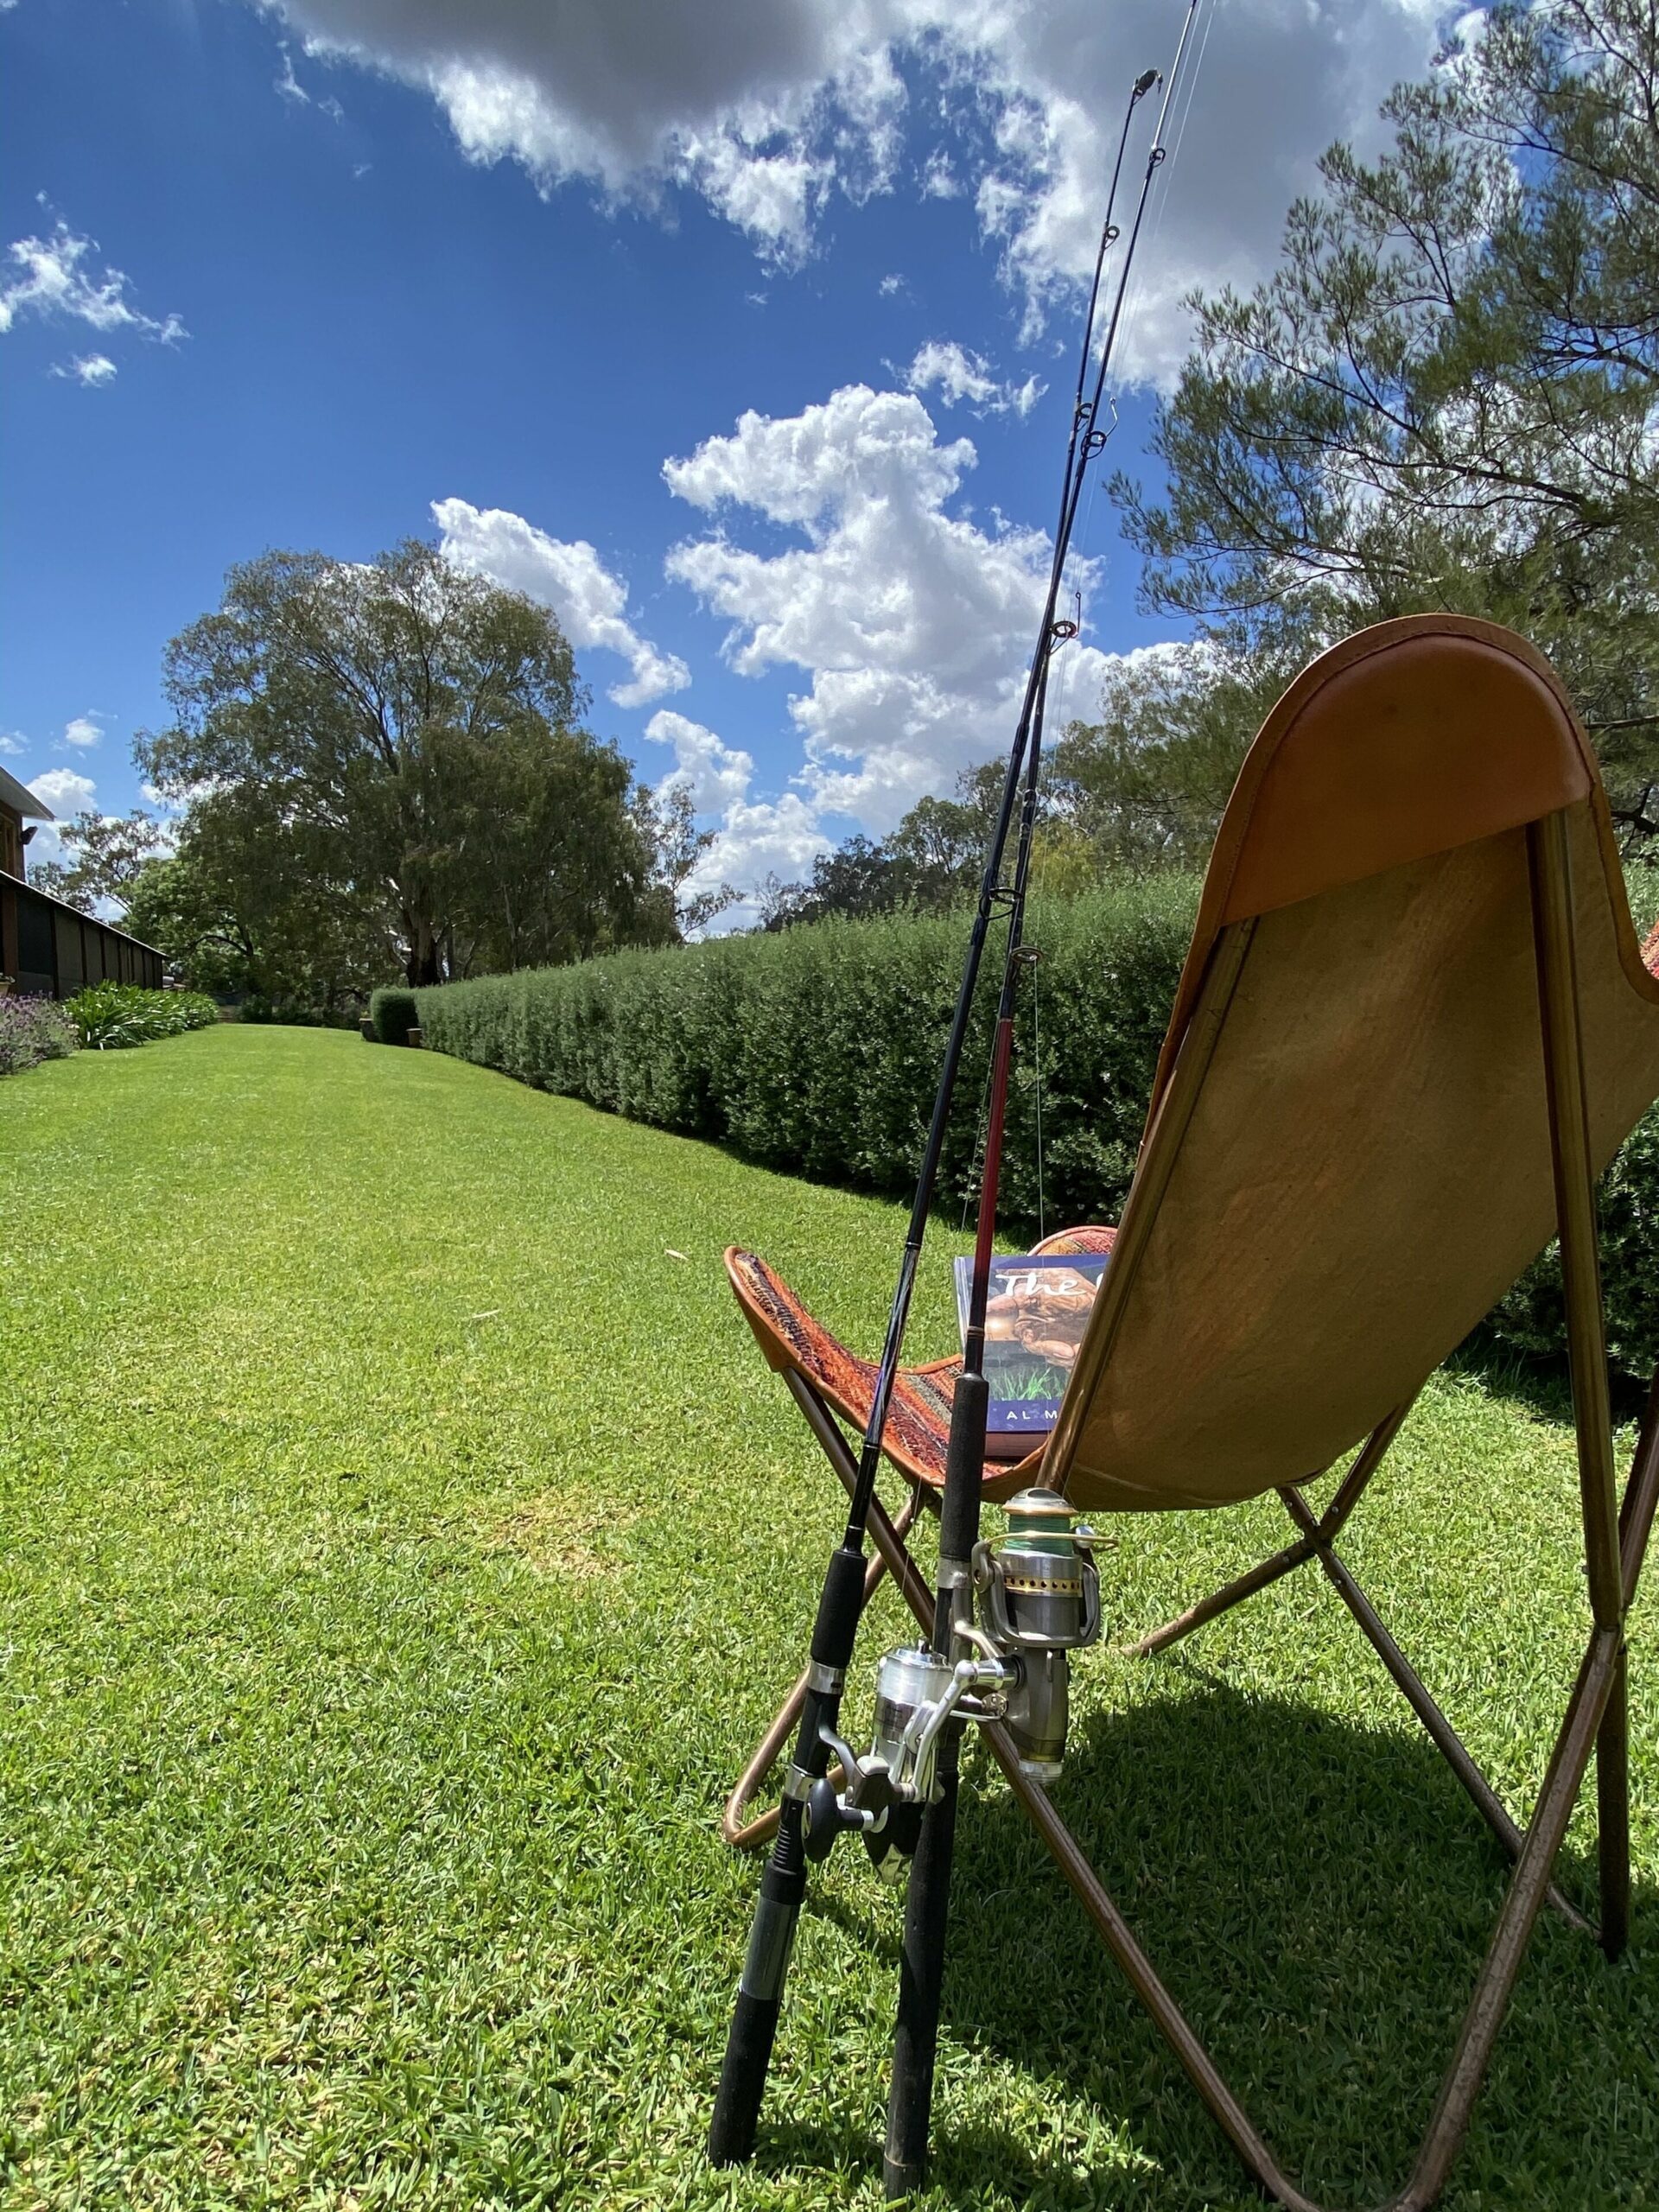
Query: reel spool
column 1038, row 1600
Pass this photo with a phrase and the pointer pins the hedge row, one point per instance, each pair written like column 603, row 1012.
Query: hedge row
column 816, row 1049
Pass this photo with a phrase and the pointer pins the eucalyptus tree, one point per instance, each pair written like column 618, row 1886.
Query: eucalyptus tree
column 407, row 738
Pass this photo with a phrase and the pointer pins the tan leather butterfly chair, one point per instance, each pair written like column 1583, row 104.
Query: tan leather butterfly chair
column 1413, row 1025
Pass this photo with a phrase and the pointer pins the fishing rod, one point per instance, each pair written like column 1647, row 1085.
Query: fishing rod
column 1040, row 1590
column 898, row 1798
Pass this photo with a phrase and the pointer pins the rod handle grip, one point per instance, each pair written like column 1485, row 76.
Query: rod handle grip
column 743, row 2080
column 964, row 1467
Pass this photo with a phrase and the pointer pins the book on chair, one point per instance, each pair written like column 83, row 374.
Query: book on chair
column 1035, row 1313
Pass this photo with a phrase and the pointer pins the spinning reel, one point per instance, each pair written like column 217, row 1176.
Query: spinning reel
column 1038, row 1596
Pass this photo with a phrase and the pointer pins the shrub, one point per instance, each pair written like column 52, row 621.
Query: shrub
column 33, row 1030
column 817, row 1051
column 113, row 1016
column 1532, row 1316
column 393, row 1012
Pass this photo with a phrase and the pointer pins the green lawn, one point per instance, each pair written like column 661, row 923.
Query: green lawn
column 401, row 1548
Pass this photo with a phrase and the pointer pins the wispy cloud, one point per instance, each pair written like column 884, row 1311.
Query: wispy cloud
column 939, row 178
column 287, row 85
column 57, row 278
column 961, row 375
column 89, row 369
column 289, row 88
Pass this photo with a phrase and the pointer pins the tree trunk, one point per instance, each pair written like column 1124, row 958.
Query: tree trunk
column 421, row 964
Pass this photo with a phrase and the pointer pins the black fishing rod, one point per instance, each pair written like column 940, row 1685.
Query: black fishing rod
column 927, row 1904
column 754, row 2028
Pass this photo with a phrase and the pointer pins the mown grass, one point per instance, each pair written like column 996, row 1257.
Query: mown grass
column 400, row 1551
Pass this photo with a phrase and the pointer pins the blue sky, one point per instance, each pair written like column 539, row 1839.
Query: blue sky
column 742, row 335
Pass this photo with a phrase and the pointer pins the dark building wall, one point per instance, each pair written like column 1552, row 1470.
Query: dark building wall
column 49, row 950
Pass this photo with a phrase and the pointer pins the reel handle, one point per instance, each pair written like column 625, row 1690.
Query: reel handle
column 826, row 1818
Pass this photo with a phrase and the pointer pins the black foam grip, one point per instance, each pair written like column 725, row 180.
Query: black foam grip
column 760, row 1997
column 921, row 1980
column 836, row 1631
column 964, row 1467
column 743, row 2080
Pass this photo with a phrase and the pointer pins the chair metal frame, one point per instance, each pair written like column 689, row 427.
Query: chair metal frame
column 1615, row 1540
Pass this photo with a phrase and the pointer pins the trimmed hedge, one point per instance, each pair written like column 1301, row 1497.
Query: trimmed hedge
column 815, row 1051
column 392, row 1011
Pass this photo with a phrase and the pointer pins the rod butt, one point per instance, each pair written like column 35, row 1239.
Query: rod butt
column 921, row 1977
column 743, row 2080
column 759, row 2000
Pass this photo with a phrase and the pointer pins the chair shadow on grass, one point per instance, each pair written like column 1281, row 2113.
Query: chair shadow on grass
column 1318, row 1895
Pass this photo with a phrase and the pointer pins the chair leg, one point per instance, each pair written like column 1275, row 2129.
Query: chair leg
column 747, row 1835
column 1600, row 1680
column 1519, row 1912
column 1613, row 1814
column 1612, row 1746
column 1444, row 1737
column 1259, row 1577
column 1269, row 1571
column 737, row 1832
column 1487, row 2006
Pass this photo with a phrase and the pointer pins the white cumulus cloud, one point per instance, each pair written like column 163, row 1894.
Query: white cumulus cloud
column 768, row 108
column 911, row 625
column 82, row 731
column 566, row 575
column 754, row 837
column 712, row 774
column 67, row 792
column 757, row 105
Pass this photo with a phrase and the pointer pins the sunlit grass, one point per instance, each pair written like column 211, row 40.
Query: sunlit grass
column 402, row 1549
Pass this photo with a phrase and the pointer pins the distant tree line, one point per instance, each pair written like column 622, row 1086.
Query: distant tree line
column 381, row 769
column 1446, row 397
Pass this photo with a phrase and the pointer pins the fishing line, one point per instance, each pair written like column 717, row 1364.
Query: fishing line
column 811, row 1812
column 1139, row 292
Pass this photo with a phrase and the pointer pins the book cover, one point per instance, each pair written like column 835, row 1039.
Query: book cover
column 1036, row 1310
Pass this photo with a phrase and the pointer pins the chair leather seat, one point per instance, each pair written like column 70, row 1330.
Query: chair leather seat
column 918, row 1430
